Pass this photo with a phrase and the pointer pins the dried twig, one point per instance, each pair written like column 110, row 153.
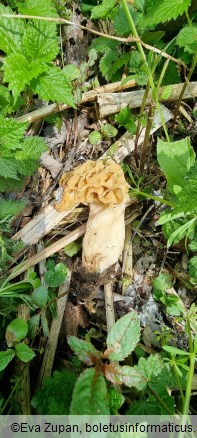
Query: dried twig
column 109, row 306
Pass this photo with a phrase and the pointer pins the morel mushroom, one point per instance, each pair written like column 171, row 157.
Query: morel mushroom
column 101, row 185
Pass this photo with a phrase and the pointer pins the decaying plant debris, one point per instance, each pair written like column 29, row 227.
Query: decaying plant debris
column 101, row 235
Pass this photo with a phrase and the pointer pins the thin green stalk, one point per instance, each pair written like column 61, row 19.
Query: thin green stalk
column 155, row 198
column 148, row 70
column 179, row 383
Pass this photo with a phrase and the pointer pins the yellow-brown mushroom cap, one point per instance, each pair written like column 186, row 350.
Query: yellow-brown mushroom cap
column 101, row 182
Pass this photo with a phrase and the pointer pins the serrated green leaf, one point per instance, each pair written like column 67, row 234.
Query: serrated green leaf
column 40, row 41
column 84, row 350
column 187, row 38
column 175, row 159
column 90, row 394
column 16, row 331
column 166, row 10
column 53, row 85
column 161, row 283
column 186, row 198
column 106, row 63
column 9, row 184
column 72, row 248
column 19, row 71
column 56, row 277
column 11, row 208
column 125, row 118
column 39, row 296
column 27, row 157
column 121, row 24
column 6, row 357
column 8, row 169
column 123, row 337
column 24, row 353
column 150, row 367
column 108, row 130
column 44, row 8
column 11, row 133
column 116, row 400
column 126, row 375
column 103, row 9
column 11, row 32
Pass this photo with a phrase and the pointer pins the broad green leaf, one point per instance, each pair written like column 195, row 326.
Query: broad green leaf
column 11, row 133
column 121, row 24
column 6, row 357
column 84, row 350
column 166, row 10
column 150, row 367
column 11, row 32
column 16, row 331
column 33, row 324
column 90, row 394
column 8, row 169
column 95, row 137
column 175, row 351
column 102, row 45
column 186, row 199
column 187, row 38
column 125, row 118
column 53, row 85
column 24, row 353
column 181, row 232
column 19, row 71
column 44, row 8
column 39, row 296
column 126, row 375
column 123, row 337
column 175, row 159
column 108, row 130
column 106, row 63
column 72, row 248
column 56, row 277
column 11, row 208
column 40, row 41
column 103, row 9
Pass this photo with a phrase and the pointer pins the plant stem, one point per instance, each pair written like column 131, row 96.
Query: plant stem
column 162, row 403
column 148, row 70
column 155, row 198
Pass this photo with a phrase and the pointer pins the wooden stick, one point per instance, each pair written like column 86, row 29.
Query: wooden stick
column 112, row 103
column 109, row 306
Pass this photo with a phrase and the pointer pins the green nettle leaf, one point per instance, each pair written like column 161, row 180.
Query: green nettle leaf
column 95, row 137
column 150, row 367
column 186, row 198
column 123, row 337
column 6, row 357
column 116, row 400
column 90, row 394
column 125, row 118
column 72, row 248
column 56, row 277
column 125, row 374
column 84, row 350
column 102, row 45
column 161, row 283
column 165, row 10
column 11, row 208
column 39, row 296
column 108, row 130
column 27, row 157
column 11, row 32
column 175, row 159
column 8, row 169
column 40, row 41
column 53, row 85
column 44, row 8
column 24, row 353
column 121, row 24
column 187, row 38
column 102, row 10
column 10, row 133
column 106, row 63
column 16, row 331
column 19, row 71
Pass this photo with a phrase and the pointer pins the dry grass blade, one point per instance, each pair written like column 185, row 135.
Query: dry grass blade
column 109, row 306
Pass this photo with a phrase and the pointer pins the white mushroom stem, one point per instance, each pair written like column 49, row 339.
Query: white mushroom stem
column 104, row 238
